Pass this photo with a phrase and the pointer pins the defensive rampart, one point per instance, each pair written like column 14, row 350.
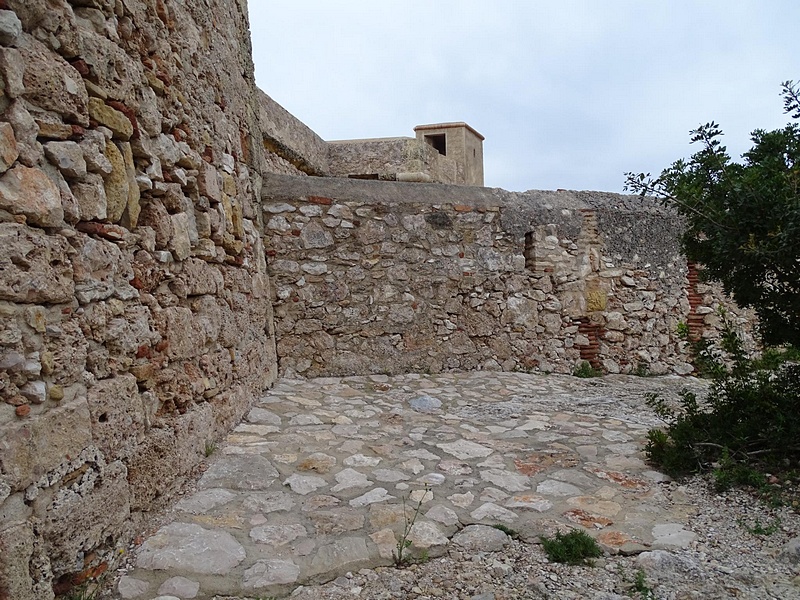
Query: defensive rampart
column 382, row 277
column 136, row 321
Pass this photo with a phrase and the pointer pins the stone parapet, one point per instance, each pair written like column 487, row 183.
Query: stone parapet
column 390, row 159
column 385, row 277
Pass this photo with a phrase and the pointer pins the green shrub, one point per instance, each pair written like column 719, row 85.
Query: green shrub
column 749, row 422
column 585, row 370
column 573, row 548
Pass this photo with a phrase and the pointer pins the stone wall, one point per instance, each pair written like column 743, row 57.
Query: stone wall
column 390, row 159
column 136, row 321
column 383, row 277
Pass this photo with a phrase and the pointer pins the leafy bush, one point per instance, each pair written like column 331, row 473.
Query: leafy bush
column 749, row 421
column 573, row 548
column 586, row 370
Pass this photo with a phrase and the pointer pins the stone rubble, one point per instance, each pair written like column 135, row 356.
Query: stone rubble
column 321, row 480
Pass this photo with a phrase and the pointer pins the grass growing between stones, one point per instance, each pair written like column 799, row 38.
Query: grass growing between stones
column 210, row 448
column 586, row 370
column 573, row 548
column 512, row 533
column 640, row 587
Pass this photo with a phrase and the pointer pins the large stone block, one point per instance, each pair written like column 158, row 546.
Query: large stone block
column 130, row 216
column 82, row 517
column 51, row 83
column 101, row 271
column 34, row 267
column 117, row 183
column 91, row 197
column 176, row 325
column 154, row 214
column 201, row 278
column 16, row 552
column 118, row 416
column 68, row 157
column 8, row 147
column 35, row 446
column 29, row 192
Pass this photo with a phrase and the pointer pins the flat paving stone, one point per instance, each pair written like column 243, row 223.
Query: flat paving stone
column 324, row 476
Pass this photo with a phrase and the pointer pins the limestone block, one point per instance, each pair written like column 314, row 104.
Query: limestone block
column 93, row 146
column 166, row 149
column 8, row 147
column 101, row 271
column 615, row 321
column 148, row 115
column 68, row 157
column 118, row 417
column 35, row 446
column 176, row 326
column 91, row 197
column 117, row 183
column 30, row 192
column 116, row 73
column 12, row 68
column 201, row 278
column 130, row 216
column 237, row 220
column 80, row 521
column 154, row 214
column 180, row 243
column 53, row 128
column 51, row 83
column 16, row 550
column 34, row 267
column 10, row 27
column 116, row 121
column 25, row 131
column 55, row 21
column 314, row 236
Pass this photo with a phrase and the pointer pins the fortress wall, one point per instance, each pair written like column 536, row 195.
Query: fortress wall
column 383, row 277
column 136, row 320
column 291, row 140
column 389, row 157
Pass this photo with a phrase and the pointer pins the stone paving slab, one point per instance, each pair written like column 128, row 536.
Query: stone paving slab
column 323, row 474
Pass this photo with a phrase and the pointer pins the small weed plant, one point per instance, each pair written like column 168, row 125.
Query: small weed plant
column 745, row 427
column 642, row 370
column 512, row 533
column 210, row 448
column 759, row 528
column 640, row 587
column 573, row 548
column 586, row 370
column 402, row 555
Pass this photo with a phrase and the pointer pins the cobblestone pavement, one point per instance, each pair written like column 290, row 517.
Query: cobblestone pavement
column 322, row 476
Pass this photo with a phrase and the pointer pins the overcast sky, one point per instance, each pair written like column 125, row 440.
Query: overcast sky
column 569, row 94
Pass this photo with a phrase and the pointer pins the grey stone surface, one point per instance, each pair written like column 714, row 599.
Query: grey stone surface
column 190, row 548
column 481, row 538
column 266, row 573
column 351, row 475
column 240, row 473
column 130, row 587
column 791, row 551
column 181, row 587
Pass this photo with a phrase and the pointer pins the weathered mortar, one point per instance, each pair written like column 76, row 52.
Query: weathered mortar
column 374, row 277
column 136, row 322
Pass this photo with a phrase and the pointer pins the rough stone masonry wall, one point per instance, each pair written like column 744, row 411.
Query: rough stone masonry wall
column 136, row 320
column 381, row 277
